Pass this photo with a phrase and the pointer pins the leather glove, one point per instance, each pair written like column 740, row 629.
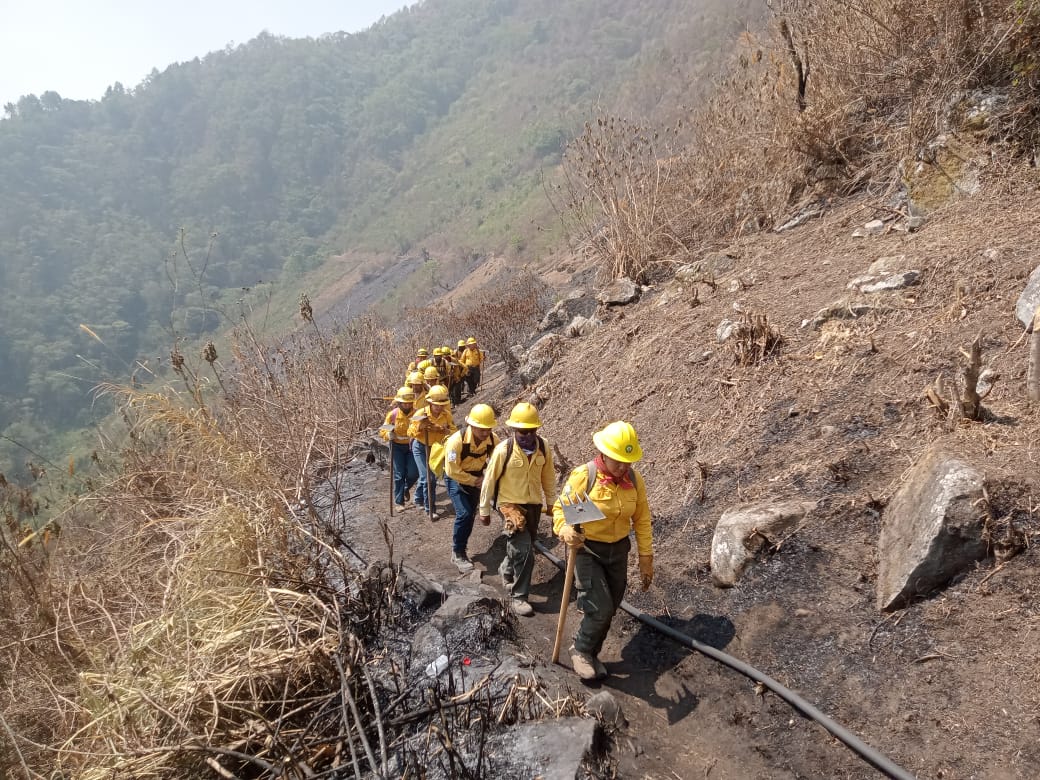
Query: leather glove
column 547, row 510
column 485, row 519
column 514, row 518
column 572, row 537
column 646, row 570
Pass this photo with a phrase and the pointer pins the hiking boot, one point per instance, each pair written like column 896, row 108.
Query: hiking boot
column 407, row 495
column 584, row 664
column 601, row 670
column 434, row 517
column 522, row 607
column 462, row 562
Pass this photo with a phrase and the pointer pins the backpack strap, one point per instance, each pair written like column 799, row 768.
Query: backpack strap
column 591, row 483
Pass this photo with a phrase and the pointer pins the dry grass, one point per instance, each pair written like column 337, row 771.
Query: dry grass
column 833, row 98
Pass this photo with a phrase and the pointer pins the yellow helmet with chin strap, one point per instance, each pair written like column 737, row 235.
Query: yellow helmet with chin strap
column 481, row 416
column 431, row 374
column 416, row 378
column 618, row 441
column 405, row 395
column 524, row 416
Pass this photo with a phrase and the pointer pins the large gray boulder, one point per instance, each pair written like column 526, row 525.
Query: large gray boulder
column 1029, row 300
column 540, row 358
column 548, row 749
column 619, row 292
column 577, row 303
column 931, row 530
column 743, row 531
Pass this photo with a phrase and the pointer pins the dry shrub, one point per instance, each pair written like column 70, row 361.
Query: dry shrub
column 498, row 319
column 829, row 100
column 753, row 340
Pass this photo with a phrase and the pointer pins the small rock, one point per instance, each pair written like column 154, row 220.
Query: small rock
column 914, row 224
column 892, row 282
column 619, row 293
column 605, row 708
column 887, row 265
column 724, row 331
column 735, row 286
column 699, row 357
column 875, row 227
column 802, row 612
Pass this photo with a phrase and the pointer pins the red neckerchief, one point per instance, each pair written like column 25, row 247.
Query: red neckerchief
column 602, row 475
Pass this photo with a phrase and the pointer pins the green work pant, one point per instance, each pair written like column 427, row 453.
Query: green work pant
column 600, row 577
column 518, row 565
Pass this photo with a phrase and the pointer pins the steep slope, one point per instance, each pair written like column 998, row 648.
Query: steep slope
column 837, row 417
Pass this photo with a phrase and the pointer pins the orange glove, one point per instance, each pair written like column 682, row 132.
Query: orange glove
column 514, row 518
column 646, row 570
column 572, row 537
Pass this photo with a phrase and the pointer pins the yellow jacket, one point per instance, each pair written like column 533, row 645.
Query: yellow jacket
column 626, row 509
column 429, row 427
column 400, row 420
column 420, row 400
column 523, row 480
column 472, row 357
column 465, row 459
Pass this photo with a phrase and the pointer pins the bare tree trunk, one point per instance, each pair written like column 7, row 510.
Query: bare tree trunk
column 1033, row 377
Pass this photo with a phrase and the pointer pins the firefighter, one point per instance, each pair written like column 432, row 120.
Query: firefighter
column 418, row 386
column 520, row 480
column 406, row 473
column 466, row 454
column 472, row 359
column 601, row 565
column 429, row 425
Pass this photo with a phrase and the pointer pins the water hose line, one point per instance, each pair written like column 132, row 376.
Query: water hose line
column 865, row 751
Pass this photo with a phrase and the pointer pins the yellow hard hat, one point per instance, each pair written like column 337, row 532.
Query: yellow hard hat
column 481, row 416
column 462, row 343
column 416, row 378
column 421, row 352
column 431, row 374
column 422, row 365
column 524, row 416
column 436, row 351
column 618, row 441
column 405, row 395
column 471, row 340
column 438, row 395
column 445, row 350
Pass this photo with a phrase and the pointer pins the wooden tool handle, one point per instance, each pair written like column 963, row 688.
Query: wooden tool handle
column 568, row 578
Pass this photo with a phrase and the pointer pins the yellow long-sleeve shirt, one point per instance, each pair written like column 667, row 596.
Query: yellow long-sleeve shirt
column 521, row 480
column 471, row 357
column 465, row 458
column 626, row 509
column 430, row 426
column 400, row 419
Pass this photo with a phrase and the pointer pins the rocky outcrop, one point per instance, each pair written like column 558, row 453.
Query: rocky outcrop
column 539, row 358
column 1029, row 300
column 931, row 530
column 742, row 532
column 619, row 292
column 575, row 304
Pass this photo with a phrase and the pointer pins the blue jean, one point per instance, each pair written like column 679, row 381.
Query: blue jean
column 465, row 499
column 426, row 501
column 405, row 470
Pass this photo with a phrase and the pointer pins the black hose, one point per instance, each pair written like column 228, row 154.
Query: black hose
column 865, row 751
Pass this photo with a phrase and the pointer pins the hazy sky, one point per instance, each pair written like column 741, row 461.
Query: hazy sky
column 79, row 47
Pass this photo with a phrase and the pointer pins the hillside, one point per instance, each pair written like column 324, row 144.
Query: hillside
column 818, row 273
column 240, row 172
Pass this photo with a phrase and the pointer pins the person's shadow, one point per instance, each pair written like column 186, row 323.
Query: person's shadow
column 649, row 659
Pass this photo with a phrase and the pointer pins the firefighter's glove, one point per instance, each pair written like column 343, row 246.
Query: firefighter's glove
column 572, row 537
column 646, row 570
column 547, row 510
column 514, row 519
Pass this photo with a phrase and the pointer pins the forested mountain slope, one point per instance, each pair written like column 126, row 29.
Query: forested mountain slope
column 142, row 214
